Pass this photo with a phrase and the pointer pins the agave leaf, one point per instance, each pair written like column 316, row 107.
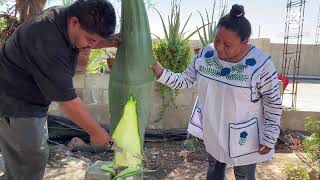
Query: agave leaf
column 176, row 27
column 210, row 28
column 174, row 20
column 108, row 168
column 204, row 29
column 210, row 32
column 164, row 26
column 129, row 172
column 185, row 25
column 213, row 11
column 170, row 29
column 191, row 34
column 201, row 39
column 156, row 36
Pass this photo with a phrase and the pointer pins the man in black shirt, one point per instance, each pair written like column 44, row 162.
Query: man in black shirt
column 37, row 64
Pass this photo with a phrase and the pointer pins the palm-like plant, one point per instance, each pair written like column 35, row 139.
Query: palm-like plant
column 173, row 34
column 173, row 52
column 95, row 64
column 209, row 27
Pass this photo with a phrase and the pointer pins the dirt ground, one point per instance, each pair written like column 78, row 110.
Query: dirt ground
column 187, row 160
column 162, row 160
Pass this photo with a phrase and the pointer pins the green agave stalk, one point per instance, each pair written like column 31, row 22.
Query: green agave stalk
column 127, row 136
column 127, row 162
column 130, row 74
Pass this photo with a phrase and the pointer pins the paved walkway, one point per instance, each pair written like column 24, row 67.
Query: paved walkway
column 308, row 98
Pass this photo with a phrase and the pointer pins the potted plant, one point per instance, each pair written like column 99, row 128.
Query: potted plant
column 173, row 52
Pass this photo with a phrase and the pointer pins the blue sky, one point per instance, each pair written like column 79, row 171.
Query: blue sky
column 268, row 14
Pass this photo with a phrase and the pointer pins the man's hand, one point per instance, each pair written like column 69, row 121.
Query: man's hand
column 157, row 68
column 77, row 111
column 112, row 41
column 110, row 62
column 263, row 150
column 100, row 138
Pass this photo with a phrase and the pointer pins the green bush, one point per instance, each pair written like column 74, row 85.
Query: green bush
column 295, row 171
column 3, row 25
column 311, row 145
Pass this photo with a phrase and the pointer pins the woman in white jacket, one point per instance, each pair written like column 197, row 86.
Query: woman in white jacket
column 238, row 109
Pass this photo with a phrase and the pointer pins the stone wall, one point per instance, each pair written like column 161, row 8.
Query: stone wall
column 93, row 90
column 310, row 55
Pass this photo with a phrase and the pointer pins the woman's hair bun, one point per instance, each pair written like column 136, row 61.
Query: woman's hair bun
column 237, row 11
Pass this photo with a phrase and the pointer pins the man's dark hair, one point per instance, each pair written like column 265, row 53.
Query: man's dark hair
column 235, row 21
column 95, row 16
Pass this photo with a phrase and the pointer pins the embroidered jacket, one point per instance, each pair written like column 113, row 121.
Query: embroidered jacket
column 238, row 105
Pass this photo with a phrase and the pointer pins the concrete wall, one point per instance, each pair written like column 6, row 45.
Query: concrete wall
column 310, row 56
column 309, row 60
column 295, row 120
column 93, row 90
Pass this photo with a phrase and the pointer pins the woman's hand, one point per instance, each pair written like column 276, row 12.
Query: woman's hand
column 263, row 150
column 157, row 69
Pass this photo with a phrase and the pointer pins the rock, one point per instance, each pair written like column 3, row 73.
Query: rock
column 184, row 154
column 76, row 142
column 69, row 168
column 85, row 159
column 154, row 153
column 165, row 155
column 68, row 153
column 95, row 173
column 58, row 148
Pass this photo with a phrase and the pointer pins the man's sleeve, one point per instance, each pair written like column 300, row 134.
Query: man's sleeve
column 271, row 99
column 52, row 67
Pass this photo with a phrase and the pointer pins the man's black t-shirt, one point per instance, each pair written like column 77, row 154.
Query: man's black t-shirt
column 37, row 64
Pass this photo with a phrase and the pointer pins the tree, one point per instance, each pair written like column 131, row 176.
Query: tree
column 20, row 12
column 29, row 8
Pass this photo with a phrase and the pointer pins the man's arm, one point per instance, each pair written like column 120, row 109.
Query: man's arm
column 77, row 111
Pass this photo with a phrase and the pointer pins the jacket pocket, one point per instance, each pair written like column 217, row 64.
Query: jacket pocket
column 195, row 123
column 243, row 138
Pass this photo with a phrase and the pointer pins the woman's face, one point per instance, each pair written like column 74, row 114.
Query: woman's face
column 229, row 45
